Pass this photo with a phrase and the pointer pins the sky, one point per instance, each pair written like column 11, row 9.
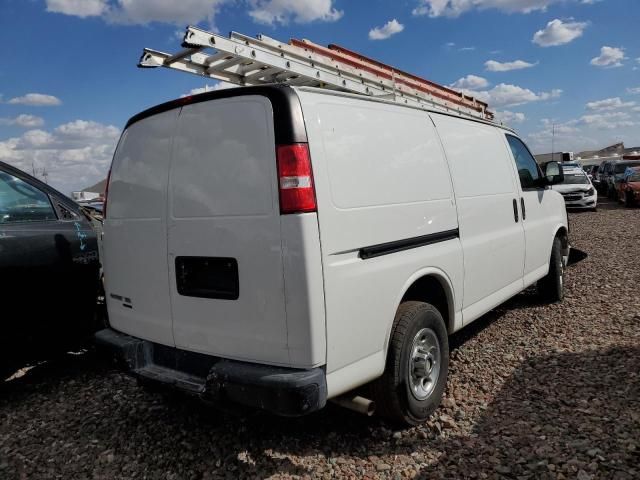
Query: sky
column 69, row 82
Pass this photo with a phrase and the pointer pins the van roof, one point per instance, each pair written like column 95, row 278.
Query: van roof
column 370, row 98
column 289, row 122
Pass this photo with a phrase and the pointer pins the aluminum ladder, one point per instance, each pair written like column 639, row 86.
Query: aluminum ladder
column 248, row 61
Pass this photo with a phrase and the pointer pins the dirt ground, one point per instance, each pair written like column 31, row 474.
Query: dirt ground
column 534, row 391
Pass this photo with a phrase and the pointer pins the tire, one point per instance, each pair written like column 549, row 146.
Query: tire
column 406, row 394
column 551, row 287
column 628, row 200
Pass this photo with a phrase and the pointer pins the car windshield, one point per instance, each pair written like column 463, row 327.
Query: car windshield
column 575, row 178
column 621, row 167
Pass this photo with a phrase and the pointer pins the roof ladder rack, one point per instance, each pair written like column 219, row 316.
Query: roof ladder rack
column 249, row 61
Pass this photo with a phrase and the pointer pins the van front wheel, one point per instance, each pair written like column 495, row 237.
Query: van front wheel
column 551, row 287
column 415, row 375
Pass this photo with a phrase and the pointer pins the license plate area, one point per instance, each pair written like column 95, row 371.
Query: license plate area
column 208, row 277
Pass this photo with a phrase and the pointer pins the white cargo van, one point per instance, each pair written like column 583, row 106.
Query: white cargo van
column 278, row 247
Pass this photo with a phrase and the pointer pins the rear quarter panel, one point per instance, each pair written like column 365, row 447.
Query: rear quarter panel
column 380, row 176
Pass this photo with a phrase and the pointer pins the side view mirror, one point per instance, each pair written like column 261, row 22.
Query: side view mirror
column 553, row 173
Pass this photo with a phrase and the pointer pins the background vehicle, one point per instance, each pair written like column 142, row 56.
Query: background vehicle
column 617, row 175
column 629, row 187
column 593, row 175
column 48, row 270
column 577, row 189
column 604, row 172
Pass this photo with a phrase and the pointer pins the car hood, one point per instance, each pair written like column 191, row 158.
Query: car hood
column 570, row 188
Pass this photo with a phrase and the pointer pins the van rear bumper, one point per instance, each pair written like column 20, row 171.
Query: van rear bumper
column 279, row 390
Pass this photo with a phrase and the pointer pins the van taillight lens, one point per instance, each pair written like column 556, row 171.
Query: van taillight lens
column 106, row 195
column 295, row 180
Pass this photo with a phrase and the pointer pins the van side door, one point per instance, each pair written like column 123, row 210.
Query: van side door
column 488, row 215
column 537, row 209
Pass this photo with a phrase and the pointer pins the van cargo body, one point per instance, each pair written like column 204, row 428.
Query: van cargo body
column 263, row 244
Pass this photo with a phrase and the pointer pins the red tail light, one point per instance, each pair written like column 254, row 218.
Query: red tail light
column 295, row 179
column 106, row 195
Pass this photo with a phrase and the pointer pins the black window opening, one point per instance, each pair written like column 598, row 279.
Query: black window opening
column 528, row 169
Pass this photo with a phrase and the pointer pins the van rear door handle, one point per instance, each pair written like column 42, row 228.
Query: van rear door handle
column 524, row 210
column 515, row 210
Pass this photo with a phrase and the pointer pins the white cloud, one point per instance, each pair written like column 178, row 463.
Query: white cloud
column 470, row 82
column 505, row 95
column 390, row 28
column 494, row 66
column 609, row 57
column 454, row 8
column 272, row 12
column 467, row 49
column 167, row 11
column 507, row 117
column 634, row 91
column 35, row 139
column 609, row 120
column 209, row 88
column 36, row 100
column 181, row 12
column 23, row 120
column 558, row 33
column 592, row 130
column 609, row 104
column 78, row 8
column 83, row 129
column 75, row 155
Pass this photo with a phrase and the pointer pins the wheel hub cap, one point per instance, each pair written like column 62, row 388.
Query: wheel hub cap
column 424, row 363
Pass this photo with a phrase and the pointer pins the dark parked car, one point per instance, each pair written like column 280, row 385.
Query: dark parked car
column 49, row 270
column 617, row 174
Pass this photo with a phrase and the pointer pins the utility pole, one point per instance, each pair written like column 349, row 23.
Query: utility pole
column 553, row 138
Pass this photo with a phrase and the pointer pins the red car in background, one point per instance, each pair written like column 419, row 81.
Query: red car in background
column 629, row 187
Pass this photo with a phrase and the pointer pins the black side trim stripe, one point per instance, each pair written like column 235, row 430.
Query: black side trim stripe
column 407, row 244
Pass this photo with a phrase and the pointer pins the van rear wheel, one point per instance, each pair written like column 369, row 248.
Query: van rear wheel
column 415, row 375
column 551, row 287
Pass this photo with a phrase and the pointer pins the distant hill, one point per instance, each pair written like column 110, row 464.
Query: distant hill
column 97, row 188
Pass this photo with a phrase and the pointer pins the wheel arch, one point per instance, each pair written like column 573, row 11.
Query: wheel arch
column 430, row 285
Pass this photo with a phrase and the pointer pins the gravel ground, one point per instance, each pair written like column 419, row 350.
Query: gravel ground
column 535, row 391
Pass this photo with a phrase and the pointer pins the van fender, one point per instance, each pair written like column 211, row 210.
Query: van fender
column 566, row 247
column 447, row 285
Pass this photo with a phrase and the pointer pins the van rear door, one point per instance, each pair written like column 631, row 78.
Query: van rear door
column 224, row 242
column 135, row 231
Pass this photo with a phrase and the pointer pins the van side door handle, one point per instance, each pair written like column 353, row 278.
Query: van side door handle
column 524, row 210
column 515, row 210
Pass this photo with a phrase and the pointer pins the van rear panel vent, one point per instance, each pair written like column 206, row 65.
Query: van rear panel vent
column 208, row 277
